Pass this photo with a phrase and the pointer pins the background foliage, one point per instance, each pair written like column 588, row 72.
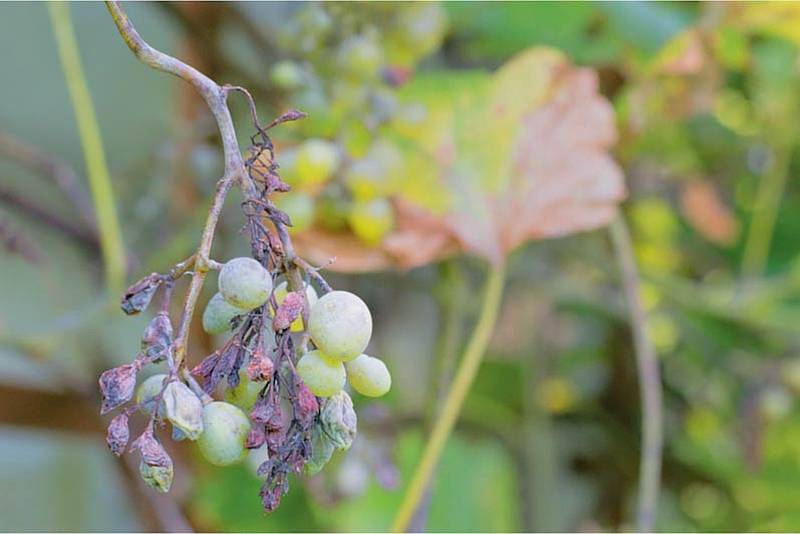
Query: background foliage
column 705, row 101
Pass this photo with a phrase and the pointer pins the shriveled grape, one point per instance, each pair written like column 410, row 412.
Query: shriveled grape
column 281, row 290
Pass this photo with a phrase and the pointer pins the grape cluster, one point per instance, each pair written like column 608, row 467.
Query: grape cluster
column 282, row 369
column 345, row 67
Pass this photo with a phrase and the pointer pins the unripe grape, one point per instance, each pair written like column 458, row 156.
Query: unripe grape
column 331, row 210
column 218, row 315
column 418, row 32
column 148, row 389
column 365, row 179
column 245, row 394
column 245, row 283
column 225, row 429
column 324, row 376
column 340, row 325
column 315, row 161
column 360, row 56
column 282, row 289
column 300, row 209
column 371, row 221
column 286, row 74
column 369, row 376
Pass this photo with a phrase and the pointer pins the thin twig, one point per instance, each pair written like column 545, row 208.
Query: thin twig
column 649, row 381
column 16, row 241
column 39, row 213
column 92, row 144
column 59, row 172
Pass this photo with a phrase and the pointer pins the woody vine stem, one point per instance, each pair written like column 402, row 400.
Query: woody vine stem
column 216, row 98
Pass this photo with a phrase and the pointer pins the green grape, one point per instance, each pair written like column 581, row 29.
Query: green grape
column 314, row 24
column 147, row 390
column 365, row 179
column 355, row 137
column 316, row 161
column 375, row 175
column 245, row 283
column 324, row 376
column 218, row 315
column 225, row 430
column 360, row 56
column 384, row 104
column 245, row 394
column 300, row 209
column 311, row 295
column 287, row 75
column 332, row 209
column 348, row 96
column 419, row 31
column 369, row 376
column 372, row 220
column 340, row 325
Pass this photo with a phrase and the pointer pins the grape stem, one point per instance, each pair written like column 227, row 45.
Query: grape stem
column 451, row 407
column 649, row 380
column 215, row 97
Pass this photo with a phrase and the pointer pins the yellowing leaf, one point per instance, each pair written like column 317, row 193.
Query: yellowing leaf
column 496, row 161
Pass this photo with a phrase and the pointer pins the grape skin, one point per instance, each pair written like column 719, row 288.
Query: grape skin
column 225, row 430
column 218, row 315
column 245, row 394
column 323, row 375
column 369, row 376
column 245, row 283
column 340, row 325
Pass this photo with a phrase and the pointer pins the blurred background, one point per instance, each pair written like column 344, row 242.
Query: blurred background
column 697, row 104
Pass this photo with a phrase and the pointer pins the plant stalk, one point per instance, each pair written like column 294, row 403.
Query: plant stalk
column 108, row 226
column 649, row 380
column 468, row 368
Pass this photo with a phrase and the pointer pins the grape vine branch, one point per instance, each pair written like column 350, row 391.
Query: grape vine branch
column 216, row 98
